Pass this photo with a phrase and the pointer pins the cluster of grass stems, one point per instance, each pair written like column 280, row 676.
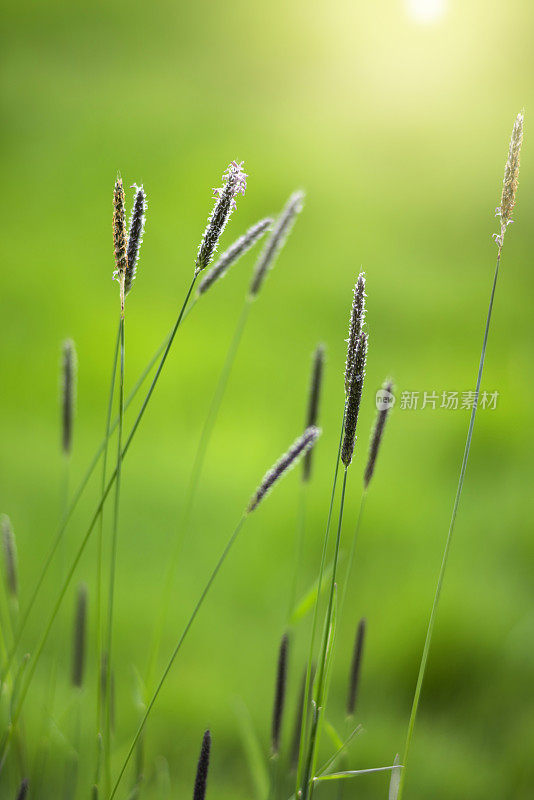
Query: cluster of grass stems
column 292, row 772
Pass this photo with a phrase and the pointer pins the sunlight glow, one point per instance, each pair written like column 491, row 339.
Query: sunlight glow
column 426, row 11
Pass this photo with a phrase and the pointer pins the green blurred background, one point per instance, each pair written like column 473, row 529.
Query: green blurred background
column 397, row 127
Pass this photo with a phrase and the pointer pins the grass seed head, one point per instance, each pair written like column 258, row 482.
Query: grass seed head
column 280, row 695
column 68, row 394
column 234, row 252
column 313, row 403
column 201, row 779
column 120, row 240
column 357, row 319
column 353, row 401
column 234, row 183
column 23, row 789
column 10, row 557
column 355, row 669
column 276, row 241
column 285, row 463
column 378, row 432
column 511, row 177
column 136, row 229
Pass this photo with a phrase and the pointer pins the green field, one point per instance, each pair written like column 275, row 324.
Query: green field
column 398, row 131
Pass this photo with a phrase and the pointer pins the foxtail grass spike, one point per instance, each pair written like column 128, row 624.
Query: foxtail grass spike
column 23, row 789
column 68, row 394
column 357, row 319
column 136, row 229
column 10, row 557
column 510, row 180
column 355, row 669
column 353, row 401
column 385, row 398
column 288, row 460
column 280, row 695
column 234, row 182
column 120, row 239
column 276, row 241
column 80, row 627
column 234, row 252
column 201, row 780
column 313, row 404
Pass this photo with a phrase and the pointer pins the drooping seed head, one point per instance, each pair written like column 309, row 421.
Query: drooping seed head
column 234, row 182
column 23, row 789
column 357, row 319
column 285, row 463
column 511, row 176
column 120, row 240
column 276, row 241
column 136, row 229
column 279, row 696
column 353, row 401
column 355, row 669
column 80, row 627
column 378, row 431
column 313, row 404
column 234, row 252
column 201, row 779
column 68, row 393
column 10, row 556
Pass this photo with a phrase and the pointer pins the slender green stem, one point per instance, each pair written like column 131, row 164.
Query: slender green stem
column 463, row 468
column 113, row 567
column 320, row 691
column 194, row 481
column 176, row 650
column 83, row 484
column 99, row 648
column 352, row 552
column 304, row 726
column 94, row 519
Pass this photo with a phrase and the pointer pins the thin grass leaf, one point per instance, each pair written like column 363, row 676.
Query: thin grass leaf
column 394, row 781
column 308, row 600
column 353, row 773
column 253, row 751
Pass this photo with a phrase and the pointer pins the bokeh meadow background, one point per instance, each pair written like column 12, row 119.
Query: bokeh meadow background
column 397, row 127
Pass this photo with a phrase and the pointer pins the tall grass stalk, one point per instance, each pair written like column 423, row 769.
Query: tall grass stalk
column 99, row 642
column 113, row 565
column 445, row 557
column 94, row 519
column 504, row 211
column 309, row 667
column 321, row 679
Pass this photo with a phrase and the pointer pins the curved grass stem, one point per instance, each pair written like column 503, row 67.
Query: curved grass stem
column 200, row 601
column 437, row 594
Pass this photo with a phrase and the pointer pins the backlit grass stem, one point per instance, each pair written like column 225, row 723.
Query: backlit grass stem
column 282, row 466
column 508, row 197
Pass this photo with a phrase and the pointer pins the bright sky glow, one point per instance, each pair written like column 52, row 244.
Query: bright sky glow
column 426, row 11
